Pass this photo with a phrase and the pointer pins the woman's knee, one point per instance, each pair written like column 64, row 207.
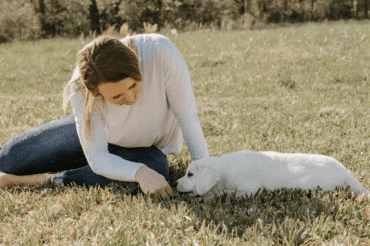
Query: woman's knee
column 152, row 157
column 156, row 160
column 41, row 149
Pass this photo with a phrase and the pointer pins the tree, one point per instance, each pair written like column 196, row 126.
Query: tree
column 39, row 8
column 366, row 8
column 94, row 18
column 150, row 11
column 244, row 6
column 109, row 14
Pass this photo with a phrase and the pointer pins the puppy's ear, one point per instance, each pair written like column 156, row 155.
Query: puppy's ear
column 207, row 178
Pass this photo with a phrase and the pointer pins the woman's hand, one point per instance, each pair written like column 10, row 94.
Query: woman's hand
column 153, row 183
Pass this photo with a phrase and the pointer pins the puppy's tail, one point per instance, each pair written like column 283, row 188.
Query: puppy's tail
column 356, row 186
column 366, row 193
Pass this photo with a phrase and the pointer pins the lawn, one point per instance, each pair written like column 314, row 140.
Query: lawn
column 293, row 89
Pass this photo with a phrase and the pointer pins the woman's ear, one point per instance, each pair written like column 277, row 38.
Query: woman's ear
column 207, row 178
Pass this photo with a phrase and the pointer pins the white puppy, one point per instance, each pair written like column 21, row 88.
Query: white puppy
column 244, row 172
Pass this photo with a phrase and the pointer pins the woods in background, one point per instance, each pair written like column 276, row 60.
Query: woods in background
column 33, row 19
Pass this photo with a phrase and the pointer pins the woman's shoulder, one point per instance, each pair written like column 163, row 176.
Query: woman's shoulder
column 76, row 86
column 153, row 40
column 148, row 37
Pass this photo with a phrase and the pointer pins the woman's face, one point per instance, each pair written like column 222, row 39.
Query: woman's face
column 123, row 92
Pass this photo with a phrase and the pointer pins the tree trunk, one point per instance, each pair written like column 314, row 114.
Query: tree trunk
column 42, row 7
column 94, row 18
column 39, row 8
column 119, row 21
column 312, row 8
column 248, row 6
column 366, row 6
column 285, row 5
column 159, row 4
column 357, row 10
column 44, row 26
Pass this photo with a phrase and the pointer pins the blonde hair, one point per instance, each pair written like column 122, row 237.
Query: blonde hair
column 106, row 59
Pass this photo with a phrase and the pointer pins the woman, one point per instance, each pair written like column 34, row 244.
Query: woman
column 132, row 104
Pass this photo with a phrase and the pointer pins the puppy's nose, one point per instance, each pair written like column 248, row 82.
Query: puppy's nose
column 176, row 183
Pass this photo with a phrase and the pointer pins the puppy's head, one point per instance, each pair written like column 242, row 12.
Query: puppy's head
column 198, row 179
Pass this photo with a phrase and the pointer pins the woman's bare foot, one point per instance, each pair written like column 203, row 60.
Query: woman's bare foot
column 10, row 180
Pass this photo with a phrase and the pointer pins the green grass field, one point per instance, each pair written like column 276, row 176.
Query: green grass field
column 298, row 89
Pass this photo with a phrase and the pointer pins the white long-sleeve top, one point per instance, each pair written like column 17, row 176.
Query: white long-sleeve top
column 164, row 112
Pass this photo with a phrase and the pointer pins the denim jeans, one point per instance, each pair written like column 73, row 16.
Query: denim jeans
column 55, row 147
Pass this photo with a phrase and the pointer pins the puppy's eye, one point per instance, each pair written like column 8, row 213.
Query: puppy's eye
column 190, row 175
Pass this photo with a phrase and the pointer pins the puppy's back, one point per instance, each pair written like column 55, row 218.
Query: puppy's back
column 272, row 170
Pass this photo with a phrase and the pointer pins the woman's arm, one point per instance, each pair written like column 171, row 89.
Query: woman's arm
column 181, row 99
column 96, row 149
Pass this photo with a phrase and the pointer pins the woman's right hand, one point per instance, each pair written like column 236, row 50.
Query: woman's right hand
column 153, row 183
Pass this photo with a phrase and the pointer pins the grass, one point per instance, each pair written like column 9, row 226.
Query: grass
column 298, row 89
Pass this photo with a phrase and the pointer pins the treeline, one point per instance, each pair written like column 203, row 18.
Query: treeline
column 33, row 19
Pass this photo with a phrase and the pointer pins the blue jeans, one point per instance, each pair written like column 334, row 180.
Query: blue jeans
column 55, row 147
